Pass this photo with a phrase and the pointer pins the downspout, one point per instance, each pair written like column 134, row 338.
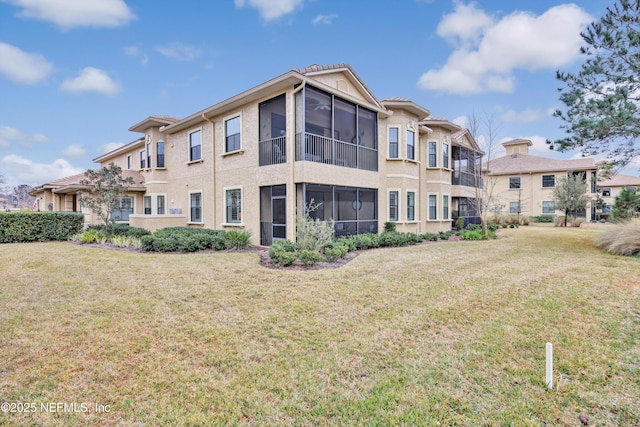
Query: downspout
column 213, row 165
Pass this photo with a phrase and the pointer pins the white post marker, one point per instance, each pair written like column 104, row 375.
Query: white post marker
column 549, row 377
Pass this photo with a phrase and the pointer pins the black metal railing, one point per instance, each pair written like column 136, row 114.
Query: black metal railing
column 316, row 148
column 273, row 151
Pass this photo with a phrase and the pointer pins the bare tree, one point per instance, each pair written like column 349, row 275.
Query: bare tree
column 485, row 131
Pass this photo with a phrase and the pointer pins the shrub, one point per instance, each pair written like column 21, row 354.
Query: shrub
column 389, row 226
column 395, row 238
column 476, row 234
column 335, row 252
column 459, row 223
column 184, row 239
column 492, row 226
column 120, row 230
column 308, row 257
column 621, row 239
column 39, row 227
column 542, row 218
column 365, row 241
column 444, row 235
column 283, row 252
column 91, row 235
column 430, row 237
column 284, row 258
column 238, row 239
column 121, row 241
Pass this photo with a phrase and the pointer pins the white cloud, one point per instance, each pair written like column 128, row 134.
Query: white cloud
column 92, row 80
column 68, row 14
column 110, row 146
column 324, row 19
column 271, row 9
column 180, row 51
column 529, row 115
column 489, row 52
column 20, row 170
column 135, row 52
column 465, row 25
column 462, row 121
column 74, row 151
column 10, row 135
column 22, row 67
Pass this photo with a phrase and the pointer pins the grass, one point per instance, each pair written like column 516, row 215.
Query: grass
column 439, row 334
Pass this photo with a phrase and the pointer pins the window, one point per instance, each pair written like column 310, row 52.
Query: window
column 445, row 156
column 233, row 202
column 606, row 192
column 232, row 134
column 411, row 135
column 514, row 207
column 143, row 160
column 160, row 154
column 149, row 155
column 129, row 162
column 514, row 182
column 122, row 209
column 393, row 206
column 393, row 142
column 147, row 205
column 195, row 146
column 160, row 205
column 411, row 205
column 195, row 204
column 445, row 207
column 548, row 207
column 432, row 154
column 433, row 207
column 548, row 181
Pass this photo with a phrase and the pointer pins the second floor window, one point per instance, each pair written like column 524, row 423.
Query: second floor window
column 143, row 160
column 432, row 154
column 232, row 134
column 445, row 156
column 393, row 143
column 149, row 155
column 514, row 182
column 160, row 154
column 411, row 135
column 548, row 181
column 195, row 146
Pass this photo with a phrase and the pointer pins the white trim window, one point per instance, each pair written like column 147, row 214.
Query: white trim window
column 129, row 162
column 232, row 134
column 445, row 156
column 195, row 145
column 433, row 207
column 394, row 205
column 548, row 207
column 160, row 154
column 233, row 205
column 195, row 206
column 143, row 160
column 149, row 155
column 514, row 207
column 548, row 181
column 161, row 204
column 445, row 206
column 411, row 205
column 514, row 182
column 394, row 142
column 147, row 205
column 411, row 145
column 433, row 152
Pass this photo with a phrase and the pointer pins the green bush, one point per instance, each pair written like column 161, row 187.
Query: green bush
column 621, row 239
column 91, row 235
column 364, row 241
column 120, row 230
column 238, row 239
column 39, row 226
column 284, row 252
column 389, row 226
column 308, row 257
column 395, row 238
column 444, row 235
column 335, row 251
column 430, row 237
column 476, row 234
column 184, row 239
column 284, row 258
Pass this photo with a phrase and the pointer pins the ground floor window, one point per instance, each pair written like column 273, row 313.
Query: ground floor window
column 393, row 206
column 514, row 207
column 233, row 204
column 548, row 207
column 147, row 205
column 122, row 209
column 160, row 201
column 433, row 207
column 195, row 207
column 354, row 210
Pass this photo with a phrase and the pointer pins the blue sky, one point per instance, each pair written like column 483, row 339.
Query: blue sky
column 75, row 75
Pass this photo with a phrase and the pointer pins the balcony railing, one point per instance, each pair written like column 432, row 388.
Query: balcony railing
column 273, row 151
column 315, row 148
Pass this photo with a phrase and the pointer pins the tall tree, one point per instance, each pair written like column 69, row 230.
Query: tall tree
column 569, row 194
column 626, row 205
column 603, row 99
column 106, row 186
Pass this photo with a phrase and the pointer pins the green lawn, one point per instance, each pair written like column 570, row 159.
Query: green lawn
column 439, row 334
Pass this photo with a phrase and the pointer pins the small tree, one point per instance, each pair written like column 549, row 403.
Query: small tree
column 313, row 234
column 569, row 194
column 106, row 186
column 626, row 205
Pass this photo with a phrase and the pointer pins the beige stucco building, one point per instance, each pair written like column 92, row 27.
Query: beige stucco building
column 520, row 183
column 310, row 136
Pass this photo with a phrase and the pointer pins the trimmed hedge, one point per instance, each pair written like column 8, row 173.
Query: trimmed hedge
column 21, row 227
column 185, row 239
